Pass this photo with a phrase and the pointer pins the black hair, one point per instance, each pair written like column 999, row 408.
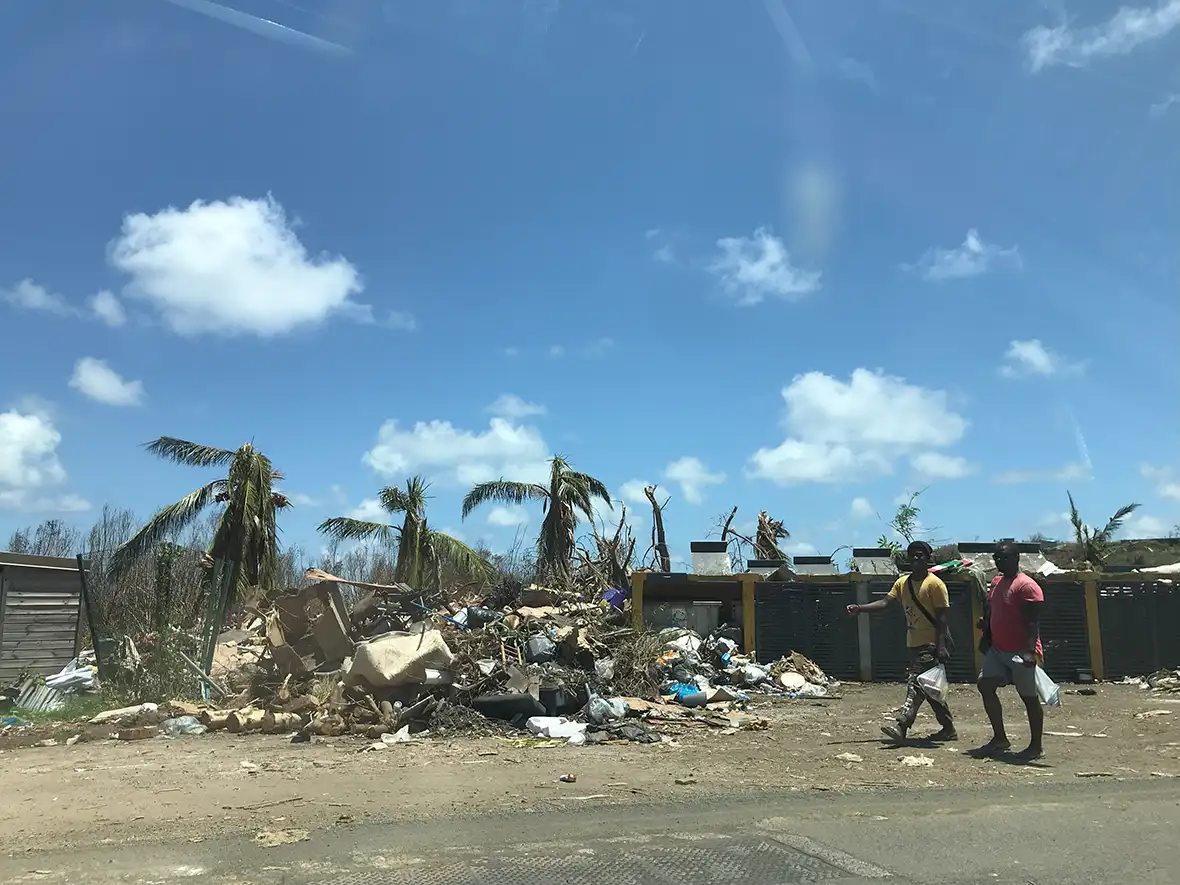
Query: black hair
column 920, row 547
column 1007, row 548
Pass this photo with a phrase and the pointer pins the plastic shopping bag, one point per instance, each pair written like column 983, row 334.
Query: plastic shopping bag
column 934, row 683
column 1047, row 690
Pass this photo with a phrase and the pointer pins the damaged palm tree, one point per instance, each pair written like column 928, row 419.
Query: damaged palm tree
column 659, row 542
column 610, row 565
column 1093, row 543
column 567, row 494
column 770, row 532
column 421, row 551
column 245, row 537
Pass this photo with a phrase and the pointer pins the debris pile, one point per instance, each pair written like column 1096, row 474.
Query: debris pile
column 398, row 664
column 1161, row 680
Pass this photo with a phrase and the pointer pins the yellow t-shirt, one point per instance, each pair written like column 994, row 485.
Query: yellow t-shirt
column 932, row 594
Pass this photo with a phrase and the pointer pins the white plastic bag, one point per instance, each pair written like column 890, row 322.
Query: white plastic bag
column 934, row 683
column 1047, row 689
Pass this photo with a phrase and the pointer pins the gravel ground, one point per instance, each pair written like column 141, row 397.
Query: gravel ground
column 102, row 791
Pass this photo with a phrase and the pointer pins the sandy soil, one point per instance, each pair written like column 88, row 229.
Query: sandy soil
column 112, row 792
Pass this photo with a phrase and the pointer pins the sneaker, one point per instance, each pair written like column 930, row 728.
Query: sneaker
column 946, row 734
column 894, row 732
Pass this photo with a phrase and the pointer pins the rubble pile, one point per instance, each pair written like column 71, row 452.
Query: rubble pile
column 398, row 664
column 1161, row 680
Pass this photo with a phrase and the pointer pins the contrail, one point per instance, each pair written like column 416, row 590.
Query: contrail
column 261, row 26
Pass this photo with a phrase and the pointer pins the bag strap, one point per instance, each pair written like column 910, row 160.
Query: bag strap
column 909, row 582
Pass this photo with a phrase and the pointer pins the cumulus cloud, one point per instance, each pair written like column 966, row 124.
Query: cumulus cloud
column 370, row 510
column 28, row 295
column 1161, row 478
column 464, row 457
column 970, row 259
column 1145, row 527
column 29, row 464
column 1124, row 32
column 95, row 379
column 841, row 431
column 861, row 508
column 936, row 465
column 235, row 267
column 1032, row 358
column 106, row 308
column 693, row 477
column 512, row 407
column 632, row 491
column 508, row 516
column 751, row 269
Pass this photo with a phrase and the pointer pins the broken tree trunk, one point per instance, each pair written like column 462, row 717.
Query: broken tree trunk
column 214, row 720
column 659, row 540
column 248, row 719
column 273, row 723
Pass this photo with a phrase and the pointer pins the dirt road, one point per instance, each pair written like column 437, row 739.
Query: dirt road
column 217, row 785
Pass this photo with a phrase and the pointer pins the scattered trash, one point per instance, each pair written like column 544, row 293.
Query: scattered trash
column 568, row 778
column 183, row 725
column 275, row 838
column 1094, row 774
column 850, row 757
column 686, row 781
column 1151, row 714
column 916, row 761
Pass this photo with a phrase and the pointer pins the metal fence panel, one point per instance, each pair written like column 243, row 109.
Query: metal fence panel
column 810, row 619
column 1064, row 635
column 1139, row 621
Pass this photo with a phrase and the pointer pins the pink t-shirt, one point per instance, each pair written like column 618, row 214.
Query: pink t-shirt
column 1007, row 599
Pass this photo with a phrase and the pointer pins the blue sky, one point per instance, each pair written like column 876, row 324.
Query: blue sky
column 762, row 253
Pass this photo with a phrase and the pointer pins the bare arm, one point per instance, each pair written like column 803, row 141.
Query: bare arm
column 879, row 606
column 1032, row 618
column 943, row 631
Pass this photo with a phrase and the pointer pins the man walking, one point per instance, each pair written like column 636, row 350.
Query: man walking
column 925, row 601
column 1012, row 647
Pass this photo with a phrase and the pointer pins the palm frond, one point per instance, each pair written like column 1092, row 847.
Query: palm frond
column 342, row 528
column 453, row 552
column 593, row 486
column 394, row 500
column 503, row 492
column 1080, row 531
column 1115, row 523
column 190, row 454
column 167, row 522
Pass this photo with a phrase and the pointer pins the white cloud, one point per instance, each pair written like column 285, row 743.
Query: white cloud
column 512, row 407
column 464, row 457
column 1074, row 470
column 95, row 379
column 693, row 478
column 861, row 508
column 752, row 268
column 28, row 295
column 108, row 309
column 1162, row 478
column 299, row 499
column 556, row 351
column 29, row 462
column 840, row 431
column 235, row 267
column 970, row 259
column 935, row 465
column 1033, row 358
column 1125, row 31
column 1145, row 527
column 632, row 491
column 370, row 510
column 508, row 516
column 800, row 548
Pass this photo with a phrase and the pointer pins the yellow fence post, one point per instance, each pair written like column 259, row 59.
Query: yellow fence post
column 749, row 579
column 1094, row 631
column 637, row 578
column 976, row 616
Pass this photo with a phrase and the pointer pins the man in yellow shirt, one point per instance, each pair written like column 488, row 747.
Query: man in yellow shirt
column 925, row 601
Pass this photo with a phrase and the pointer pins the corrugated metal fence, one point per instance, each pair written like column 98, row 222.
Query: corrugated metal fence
column 1140, row 628
column 40, row 603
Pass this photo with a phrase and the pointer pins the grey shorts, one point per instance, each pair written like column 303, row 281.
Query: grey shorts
column 998, row 665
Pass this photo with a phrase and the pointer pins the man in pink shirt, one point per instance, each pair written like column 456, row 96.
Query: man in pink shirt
column 1012, row 647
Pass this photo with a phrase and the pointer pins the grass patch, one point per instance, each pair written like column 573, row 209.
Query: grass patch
column 77, row 707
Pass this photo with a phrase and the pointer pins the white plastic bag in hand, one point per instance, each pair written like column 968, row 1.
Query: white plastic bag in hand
column 1047, row 689
column 934, row 683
